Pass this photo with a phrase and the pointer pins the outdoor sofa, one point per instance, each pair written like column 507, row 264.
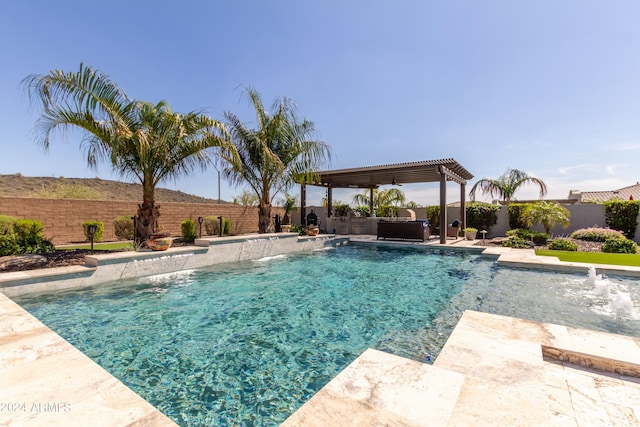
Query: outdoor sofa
column 405, row 230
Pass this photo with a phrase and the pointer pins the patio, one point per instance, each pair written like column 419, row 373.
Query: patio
column 493, row 370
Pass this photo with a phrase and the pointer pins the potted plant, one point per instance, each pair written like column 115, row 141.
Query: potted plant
column 313, row 230
column 470, row 233
column 289, row 203
column 158, row 242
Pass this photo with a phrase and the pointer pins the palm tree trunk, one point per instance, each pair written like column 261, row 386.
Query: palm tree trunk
column 264, row 217
column 148, row 214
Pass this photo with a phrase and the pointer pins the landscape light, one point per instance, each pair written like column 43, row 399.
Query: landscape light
column 92, row 232
column 200, row 221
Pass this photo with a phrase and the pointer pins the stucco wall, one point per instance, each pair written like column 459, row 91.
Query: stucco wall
column 582, row 216
column 62, row 218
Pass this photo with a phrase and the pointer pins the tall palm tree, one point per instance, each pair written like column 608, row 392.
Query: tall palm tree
column 146, row 141
column 382, row 199
column 506, row 185
column 546, row 213
column 274, row 155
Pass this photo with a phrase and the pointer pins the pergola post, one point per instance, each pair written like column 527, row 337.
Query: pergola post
column 463, row 208
column 303, row 201
column 371, row 212
column 443, row 208
column 329, row 202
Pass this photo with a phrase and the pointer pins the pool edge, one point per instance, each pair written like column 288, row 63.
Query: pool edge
column 47, row 381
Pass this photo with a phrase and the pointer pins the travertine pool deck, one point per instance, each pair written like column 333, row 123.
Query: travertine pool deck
column 45, row 381
column 493, row 371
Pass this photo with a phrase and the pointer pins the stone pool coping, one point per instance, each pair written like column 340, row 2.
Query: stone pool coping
column 61, row 386
column 44, row 380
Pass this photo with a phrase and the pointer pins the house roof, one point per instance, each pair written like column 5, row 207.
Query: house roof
column 393, row 174
column 625, row 193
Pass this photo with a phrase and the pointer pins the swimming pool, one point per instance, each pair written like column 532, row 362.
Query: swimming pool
column 247, row 344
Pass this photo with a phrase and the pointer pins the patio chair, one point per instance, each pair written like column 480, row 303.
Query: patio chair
column 453, row 230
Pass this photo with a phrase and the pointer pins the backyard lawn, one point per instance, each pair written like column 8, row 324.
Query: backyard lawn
column 116, row 246
column 632, row 260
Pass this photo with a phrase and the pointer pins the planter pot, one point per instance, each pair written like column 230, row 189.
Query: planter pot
column 159, row 243
column 313, row 230
column 470, row 235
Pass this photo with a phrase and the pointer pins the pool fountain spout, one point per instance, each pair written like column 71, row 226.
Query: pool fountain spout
column 619, row 302
column 600, row 284
column 622, row 304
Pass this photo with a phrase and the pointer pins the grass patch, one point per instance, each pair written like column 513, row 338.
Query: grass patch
column 118, row 246
column 632, row 260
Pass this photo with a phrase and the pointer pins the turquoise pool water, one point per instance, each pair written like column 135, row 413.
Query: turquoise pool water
column 247, row 344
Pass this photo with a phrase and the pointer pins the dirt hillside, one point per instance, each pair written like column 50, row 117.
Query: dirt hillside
column 87, row 189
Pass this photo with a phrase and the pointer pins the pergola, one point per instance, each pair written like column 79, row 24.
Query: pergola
column 372, row 177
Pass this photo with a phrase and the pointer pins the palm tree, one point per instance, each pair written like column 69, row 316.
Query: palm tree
column 382, row 200
column 546, row 213
column 272, row 157
column 506, row 185
column 289, row 203
column 145, row 141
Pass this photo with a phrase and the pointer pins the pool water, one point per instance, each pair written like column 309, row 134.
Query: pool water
column 247, row 344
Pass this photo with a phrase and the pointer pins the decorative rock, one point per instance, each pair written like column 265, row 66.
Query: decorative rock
column 22, row 262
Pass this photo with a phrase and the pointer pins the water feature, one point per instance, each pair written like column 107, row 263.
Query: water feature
column 613, row 297
column 248, row 343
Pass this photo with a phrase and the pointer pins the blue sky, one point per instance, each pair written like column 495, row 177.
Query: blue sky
column 548, row 87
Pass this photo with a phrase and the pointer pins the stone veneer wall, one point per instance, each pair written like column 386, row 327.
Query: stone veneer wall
column 62, row 218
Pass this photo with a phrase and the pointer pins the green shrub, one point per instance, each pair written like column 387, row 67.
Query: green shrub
column 123, row 227
column 341, row 209
column 516, row 242
column 28, row 237
column 23, row 236
column 470, row 230
column 362, row 211
column 620, row 246
column 536, row 237
column 623, row 215
column 301, row 230
column 563, row 245
column 188, row 228
column 596, row 234
column 212, row 225
column 515, row 215
column 7, row 224
column 433, row 216
column 482, row 215
column 387, row 211
column 28, row 232
column 8, row 245
column 99, row 230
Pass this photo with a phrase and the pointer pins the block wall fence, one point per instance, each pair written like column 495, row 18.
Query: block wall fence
column 62, row 218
